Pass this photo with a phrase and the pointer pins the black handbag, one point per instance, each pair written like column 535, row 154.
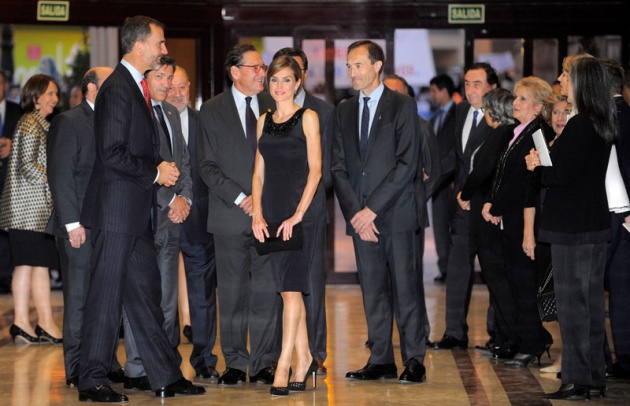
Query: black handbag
column 275, row 244
column 546, row 298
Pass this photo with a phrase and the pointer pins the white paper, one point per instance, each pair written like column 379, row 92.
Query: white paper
column 541, row 147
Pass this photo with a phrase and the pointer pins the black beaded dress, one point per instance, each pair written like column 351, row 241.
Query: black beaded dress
column 283, row 148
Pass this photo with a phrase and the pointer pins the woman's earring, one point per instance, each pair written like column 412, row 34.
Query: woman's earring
column 295, row 92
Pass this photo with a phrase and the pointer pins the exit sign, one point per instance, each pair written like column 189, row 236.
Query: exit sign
column 466, row 13
column 53, row 10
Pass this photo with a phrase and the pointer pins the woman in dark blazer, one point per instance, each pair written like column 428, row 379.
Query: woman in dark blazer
column 576, row 222
column 485, row 238
column 504, row 208
column 25, row 207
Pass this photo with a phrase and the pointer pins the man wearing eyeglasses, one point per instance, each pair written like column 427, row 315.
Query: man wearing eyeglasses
column 246, row 287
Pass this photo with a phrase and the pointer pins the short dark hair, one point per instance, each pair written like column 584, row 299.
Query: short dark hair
column 444, row 81
column 34, row 88
column 281, row 62
column 89, row 77
column 135, row 29
column 491, row 75
column 615, row 74
column 164, row 60
column 235, row 56
column 393, row 76
column 498, row 103
column 375, row 52
column 293, row 52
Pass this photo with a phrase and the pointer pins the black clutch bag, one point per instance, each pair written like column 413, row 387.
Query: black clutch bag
column 275, row 244
column 546, row 298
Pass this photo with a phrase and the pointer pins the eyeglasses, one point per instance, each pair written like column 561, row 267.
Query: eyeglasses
column 256, row 68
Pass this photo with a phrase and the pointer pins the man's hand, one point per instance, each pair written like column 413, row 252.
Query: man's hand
column 370, row 235
column 168, row 174
column 77, row 237
column 247, row 205
column 464, row 204
column 5, row 147
column 180, row 209
column 363, row 220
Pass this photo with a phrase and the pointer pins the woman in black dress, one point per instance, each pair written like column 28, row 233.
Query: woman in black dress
column 25, row 208
column 576, row 222
column 505, row 208
column 286, row 192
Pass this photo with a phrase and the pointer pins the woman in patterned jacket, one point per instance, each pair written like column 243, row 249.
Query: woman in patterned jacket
column 25, row 207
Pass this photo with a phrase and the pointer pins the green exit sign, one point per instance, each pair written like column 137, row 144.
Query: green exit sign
column 53, row 10
column 466, row 13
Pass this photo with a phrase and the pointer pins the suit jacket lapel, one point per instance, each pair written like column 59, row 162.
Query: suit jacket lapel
column 375, row 128
column 353, row 119
column 233, row 121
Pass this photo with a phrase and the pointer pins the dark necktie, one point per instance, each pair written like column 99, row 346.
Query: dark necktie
column 160, row 115
column 145, row 93
column 0, row 125
column 438, row 121
column 473, row 127
column 250, row 125
column 365, row 126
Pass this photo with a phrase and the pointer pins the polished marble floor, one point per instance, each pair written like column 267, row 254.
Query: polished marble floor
column 35, row 376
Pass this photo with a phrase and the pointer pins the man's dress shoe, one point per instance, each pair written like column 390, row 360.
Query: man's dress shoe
column 321, row 368
column 372, row 372
column 72, row 382
column 232, row 376
column 448, row 343
column 414, row 372
column 265, row 376
column 180, row 387
column 207, row 372
column 117, row 376
column 140, row 383
column 103, row 394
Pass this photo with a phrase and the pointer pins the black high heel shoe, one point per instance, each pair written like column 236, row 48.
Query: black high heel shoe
column 281, row 390
column 522, row 360
column 301, row 386
column 570, row 391
column 43, row 336
column 21, row 337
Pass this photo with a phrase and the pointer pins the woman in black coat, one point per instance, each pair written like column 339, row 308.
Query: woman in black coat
column 504, row 208
column 485, row 238
column 576, row 222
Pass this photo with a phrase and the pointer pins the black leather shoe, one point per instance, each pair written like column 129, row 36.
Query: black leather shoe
column 103, row 394
column 207, row 373
column 188, row 333
column 232, row 376
column 522, row 360
column 321, row 368
column 570, row 391
column 414, row 372
column 372, row 372
column 507, row 351
column 72, row 382
column 140, row 383
column 44, row 337
column 117, row 376
column 265, row 376
column 448, row 343
column 21, row 337
column 488, row 348
column 180, row 387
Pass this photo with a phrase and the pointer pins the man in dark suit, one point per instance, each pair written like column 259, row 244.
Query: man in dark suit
column 315, row 302
column 247, row 292
column 196, row 243
column 443, row 203
column 71, row 154
column 471, row 130
column 618, row 258
column 373, row 168
column 9, row 115
column 119, row 210
column 173, row 207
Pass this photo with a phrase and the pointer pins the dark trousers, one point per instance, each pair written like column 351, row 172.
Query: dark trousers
column 578, row 274
column 201, row 281
column 125, row 272
column 76, row 282
column 315, row 301
column 618, row 283
column 390, row 285
column 248, row 302
column 459, row 278
column 442, row 213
